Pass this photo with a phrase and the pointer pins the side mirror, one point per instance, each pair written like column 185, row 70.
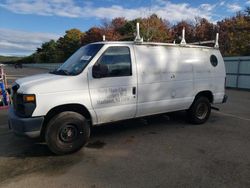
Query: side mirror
column 99, row 70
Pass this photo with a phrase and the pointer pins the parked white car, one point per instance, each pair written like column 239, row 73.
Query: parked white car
column 110, row 81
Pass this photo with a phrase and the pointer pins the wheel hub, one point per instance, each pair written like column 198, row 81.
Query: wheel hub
column 201, row 111
column 68, row 133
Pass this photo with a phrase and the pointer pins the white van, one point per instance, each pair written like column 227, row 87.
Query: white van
column 105, row 82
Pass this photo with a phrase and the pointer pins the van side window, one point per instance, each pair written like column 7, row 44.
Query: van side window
column 213, row 60
column 118, row 61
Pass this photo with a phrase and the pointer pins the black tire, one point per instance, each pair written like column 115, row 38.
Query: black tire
column 67, row 132
column 199, row 111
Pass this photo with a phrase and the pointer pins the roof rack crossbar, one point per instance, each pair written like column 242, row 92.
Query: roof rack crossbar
column 203, row 42
column 215, row 42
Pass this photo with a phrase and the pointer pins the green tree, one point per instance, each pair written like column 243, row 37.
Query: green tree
column 47, row 53
column 152, row 29
column 235, row 35
column 128, row 30
column 204, row 30
column 94, row 34
column 155, row 29
column 112, row 30
column 189, row 31
column 69, row 43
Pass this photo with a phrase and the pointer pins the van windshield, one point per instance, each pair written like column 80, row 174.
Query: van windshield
column 78, row 61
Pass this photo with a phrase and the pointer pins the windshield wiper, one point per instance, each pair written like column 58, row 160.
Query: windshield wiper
column 60, row 72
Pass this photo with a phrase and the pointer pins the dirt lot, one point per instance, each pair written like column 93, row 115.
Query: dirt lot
column 160, row 151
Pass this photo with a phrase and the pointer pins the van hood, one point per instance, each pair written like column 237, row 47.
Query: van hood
column 45, row 83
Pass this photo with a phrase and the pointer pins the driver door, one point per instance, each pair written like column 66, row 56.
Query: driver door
column 114, row 95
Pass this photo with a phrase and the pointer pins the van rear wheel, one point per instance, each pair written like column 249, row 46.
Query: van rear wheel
column 199, row 111
column 67, row 132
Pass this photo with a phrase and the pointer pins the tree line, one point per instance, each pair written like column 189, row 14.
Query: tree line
column 234, row 35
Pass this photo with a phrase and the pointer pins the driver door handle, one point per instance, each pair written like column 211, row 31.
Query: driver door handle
column 134, row 91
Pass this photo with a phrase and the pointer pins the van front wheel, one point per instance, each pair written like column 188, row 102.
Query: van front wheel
column 67, row 132
column 199, row 111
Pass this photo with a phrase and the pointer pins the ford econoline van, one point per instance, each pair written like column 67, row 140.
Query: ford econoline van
column 104, row 82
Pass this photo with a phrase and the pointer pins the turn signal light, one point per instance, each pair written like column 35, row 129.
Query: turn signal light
column 29, row 98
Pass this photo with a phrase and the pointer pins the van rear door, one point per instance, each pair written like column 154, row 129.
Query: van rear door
column 113, row 94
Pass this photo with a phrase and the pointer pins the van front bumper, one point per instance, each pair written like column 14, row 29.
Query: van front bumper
column 30, row 127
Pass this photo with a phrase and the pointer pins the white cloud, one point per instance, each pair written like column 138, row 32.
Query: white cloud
column 234, row 7
column 222, row 3
column 13, row 42
column 68, row 8
column 46, row 7
column 207, row 7
column 248, row 2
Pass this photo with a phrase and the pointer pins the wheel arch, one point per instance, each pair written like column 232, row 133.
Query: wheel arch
column 206, row 93
column 81, row 109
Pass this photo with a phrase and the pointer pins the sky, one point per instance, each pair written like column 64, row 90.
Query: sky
column 26, row 24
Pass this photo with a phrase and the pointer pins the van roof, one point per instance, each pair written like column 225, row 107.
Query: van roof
column 155, row 44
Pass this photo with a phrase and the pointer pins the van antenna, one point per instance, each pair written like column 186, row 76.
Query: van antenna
column 138, row 37
column 103, row 37
column 183, row 41
column 217, row 41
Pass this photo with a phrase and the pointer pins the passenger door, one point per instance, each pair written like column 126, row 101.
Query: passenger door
column 114, row 95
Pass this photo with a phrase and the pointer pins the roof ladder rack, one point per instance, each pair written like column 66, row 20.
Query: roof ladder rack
column 183, row 41
column 217, row 41
column 138, row 37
